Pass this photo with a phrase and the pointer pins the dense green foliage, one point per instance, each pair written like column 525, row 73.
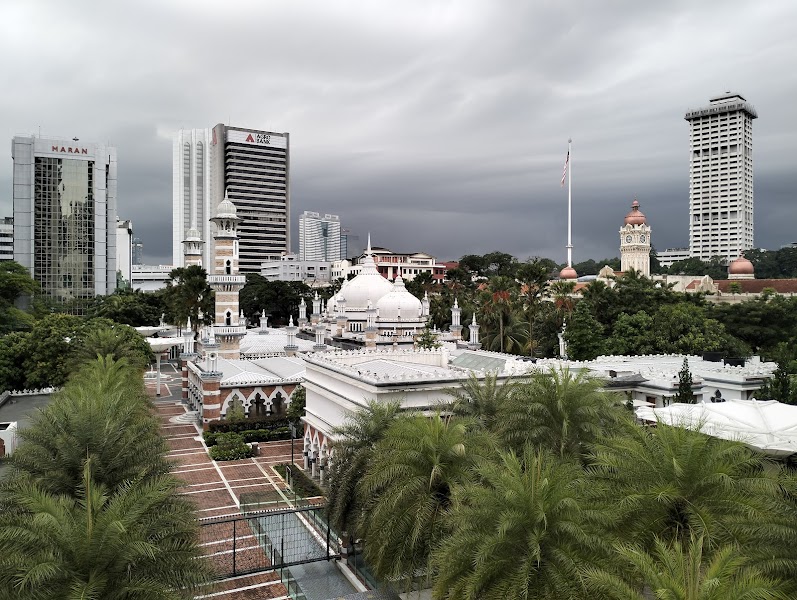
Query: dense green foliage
column 547, row 489
column 299, row 482
column 58, row 344
column 280, row 299
column 89, row 509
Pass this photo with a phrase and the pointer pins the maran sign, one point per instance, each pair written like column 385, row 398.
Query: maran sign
column 257, row 138
column 68, row 150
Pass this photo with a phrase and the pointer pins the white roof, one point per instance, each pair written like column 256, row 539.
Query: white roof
column 768, row 426
column 255, row 343
column 264, row 371
column 398, row 303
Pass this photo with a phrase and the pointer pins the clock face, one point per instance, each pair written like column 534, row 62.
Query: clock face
column 642, row 238
column 628, row 239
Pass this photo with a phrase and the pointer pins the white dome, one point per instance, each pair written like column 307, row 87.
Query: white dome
column 226, row 209
column 399, row 303
column 368, row 285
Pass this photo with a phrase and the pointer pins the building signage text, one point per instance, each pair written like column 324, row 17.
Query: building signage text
column 69, row 150
column 257, row 138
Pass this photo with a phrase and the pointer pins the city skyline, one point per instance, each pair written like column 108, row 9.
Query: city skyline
column 438, row 127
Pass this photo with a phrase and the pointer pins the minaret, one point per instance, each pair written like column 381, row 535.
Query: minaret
column 635, row 242
column 192, row 248
column 456, row 327
column 226, row 282
column 340, row 316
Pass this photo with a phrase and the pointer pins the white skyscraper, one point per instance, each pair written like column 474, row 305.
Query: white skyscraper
column 721, row 177
column 319, row 237
column 191, row 191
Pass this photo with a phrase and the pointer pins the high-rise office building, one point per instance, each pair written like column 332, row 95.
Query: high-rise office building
column 124, row 249
column 138, row 251
column 253, row 168
column 191, row 199
column 65, row 215
column 721, row 177
column 319, row 237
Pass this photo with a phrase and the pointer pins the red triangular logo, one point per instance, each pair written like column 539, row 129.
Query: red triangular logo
column 249, row 138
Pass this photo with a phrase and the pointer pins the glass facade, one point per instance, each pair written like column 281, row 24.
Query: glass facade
column 64, row 227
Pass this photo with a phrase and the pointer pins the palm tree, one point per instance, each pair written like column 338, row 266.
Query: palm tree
column 562, row 292
column 407, row 491
column 679, row 573
column 533, row 276
column 511, row 336
column 498, row 303
column 558, row 409
column 352, row 451
column 116, row 341
column 137, row 542
column 518, row 531
column 673, row 483
column 481, row 400
column 103, row 414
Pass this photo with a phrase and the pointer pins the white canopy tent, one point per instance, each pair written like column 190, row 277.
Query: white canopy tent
column 768, row 426
column 159, row 346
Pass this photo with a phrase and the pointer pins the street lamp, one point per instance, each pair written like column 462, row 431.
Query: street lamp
column 293, row 436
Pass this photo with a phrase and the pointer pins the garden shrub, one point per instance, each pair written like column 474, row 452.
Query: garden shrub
column 302, row 484
column 230, row 446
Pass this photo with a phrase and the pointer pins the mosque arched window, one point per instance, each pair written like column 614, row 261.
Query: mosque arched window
column 228, row 318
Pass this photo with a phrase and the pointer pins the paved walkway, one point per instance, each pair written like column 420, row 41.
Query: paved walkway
column 216, row 488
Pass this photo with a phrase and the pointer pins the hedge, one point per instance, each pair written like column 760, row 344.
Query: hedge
column 302, row 485
column 247, row 424
column 252, row 435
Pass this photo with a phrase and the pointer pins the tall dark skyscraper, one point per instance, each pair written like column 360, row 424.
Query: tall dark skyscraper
column 253, row 168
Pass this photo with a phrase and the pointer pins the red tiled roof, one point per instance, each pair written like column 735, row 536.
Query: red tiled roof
column 756, row 286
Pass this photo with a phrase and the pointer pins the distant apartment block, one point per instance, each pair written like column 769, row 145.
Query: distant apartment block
column 721, row 177
column 124, row 248
column 319, row 237
column 65, row 215
column 673, row 255
column 7, row 238
column 291, row 268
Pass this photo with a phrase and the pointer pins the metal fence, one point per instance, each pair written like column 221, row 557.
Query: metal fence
column 268, row 540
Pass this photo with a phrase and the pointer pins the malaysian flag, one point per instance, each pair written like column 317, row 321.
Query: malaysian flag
column 564, row 171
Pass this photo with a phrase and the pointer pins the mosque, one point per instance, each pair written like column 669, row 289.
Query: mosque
column 259, row 369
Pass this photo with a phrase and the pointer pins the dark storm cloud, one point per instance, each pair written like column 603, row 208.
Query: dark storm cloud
column 436, row 125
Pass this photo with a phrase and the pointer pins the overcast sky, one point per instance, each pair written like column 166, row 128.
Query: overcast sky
column 438, row 126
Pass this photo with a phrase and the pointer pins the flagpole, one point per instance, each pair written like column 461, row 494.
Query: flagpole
column 569, row 203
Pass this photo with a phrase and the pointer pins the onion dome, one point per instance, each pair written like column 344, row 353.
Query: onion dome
column 568, row 273
column 635, row 217
column 741, row 266
column 368, row 285
column 226, row 209
column 399, row 304
column 192, row 235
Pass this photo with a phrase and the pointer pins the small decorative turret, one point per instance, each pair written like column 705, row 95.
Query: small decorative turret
column 474, row 333
column 315, row 317
column 291, row 347
column 456, row 327
column 263, row 323
column 302, row 313
column 425, row 306
column 188, row 338
column 320, row 334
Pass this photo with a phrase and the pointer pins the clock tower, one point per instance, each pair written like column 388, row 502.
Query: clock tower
column 635, row 242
